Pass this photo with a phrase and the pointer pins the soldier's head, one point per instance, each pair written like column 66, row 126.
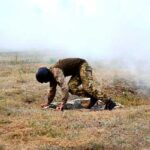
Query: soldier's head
column 44, row 75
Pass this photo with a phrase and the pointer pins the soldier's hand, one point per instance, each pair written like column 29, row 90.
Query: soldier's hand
column 60, row 107
column 45, row 106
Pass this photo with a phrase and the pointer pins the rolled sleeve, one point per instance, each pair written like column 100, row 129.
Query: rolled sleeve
column 59, row 76
column 52, row 91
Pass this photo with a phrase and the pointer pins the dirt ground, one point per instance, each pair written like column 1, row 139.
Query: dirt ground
column 25, row 126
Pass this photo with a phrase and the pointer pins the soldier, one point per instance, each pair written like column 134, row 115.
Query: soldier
column 80, row 83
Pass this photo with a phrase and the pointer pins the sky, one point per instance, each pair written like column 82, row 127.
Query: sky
column 82, row 28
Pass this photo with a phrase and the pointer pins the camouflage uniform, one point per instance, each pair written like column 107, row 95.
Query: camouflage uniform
column 81, row 82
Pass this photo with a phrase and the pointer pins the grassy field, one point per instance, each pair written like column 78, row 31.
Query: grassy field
column 25, row 126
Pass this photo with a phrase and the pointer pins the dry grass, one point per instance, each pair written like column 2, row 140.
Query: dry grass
column 24, row 126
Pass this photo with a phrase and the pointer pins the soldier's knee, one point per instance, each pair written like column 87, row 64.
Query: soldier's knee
column 70, row 86
column 90, row 90
column 87, row 89
column 72, row 91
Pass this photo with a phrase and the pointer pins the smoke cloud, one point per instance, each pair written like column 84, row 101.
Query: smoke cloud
column 102, row 30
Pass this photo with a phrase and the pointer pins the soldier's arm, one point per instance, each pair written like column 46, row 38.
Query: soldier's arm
column 51, row 94
column 52, row 91
column 59, row 76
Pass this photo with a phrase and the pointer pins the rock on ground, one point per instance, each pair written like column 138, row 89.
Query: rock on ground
column 81, row 103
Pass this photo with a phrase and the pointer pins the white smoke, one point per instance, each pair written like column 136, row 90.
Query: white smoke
column 103, row 30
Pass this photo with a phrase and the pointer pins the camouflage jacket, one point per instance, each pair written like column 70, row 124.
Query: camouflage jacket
column 64, row 67
column 59, row 80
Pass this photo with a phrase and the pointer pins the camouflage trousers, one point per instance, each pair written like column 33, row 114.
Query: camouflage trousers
column 82, row 85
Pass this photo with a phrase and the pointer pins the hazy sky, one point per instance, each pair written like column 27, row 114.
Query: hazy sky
column 85, row 28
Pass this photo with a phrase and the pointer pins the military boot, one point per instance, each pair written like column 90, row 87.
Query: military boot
column 110, row 104
column 92, row 102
